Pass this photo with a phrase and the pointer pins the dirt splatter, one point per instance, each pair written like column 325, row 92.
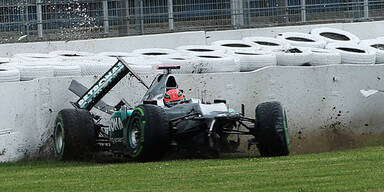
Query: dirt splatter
column 3, row 152
column 332, row 137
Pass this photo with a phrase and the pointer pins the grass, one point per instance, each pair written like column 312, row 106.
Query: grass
column 354, row 170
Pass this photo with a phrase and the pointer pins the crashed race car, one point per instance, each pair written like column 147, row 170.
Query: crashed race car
column 165, row 121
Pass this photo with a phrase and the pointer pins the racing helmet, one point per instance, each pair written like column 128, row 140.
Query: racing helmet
column 173, row 96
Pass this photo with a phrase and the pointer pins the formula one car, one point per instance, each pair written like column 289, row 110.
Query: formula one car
column 165, row 121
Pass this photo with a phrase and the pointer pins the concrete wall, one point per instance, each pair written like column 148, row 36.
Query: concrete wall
column 325, row 109
column 121, row 44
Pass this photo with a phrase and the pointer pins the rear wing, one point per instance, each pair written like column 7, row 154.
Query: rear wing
column 106, row 82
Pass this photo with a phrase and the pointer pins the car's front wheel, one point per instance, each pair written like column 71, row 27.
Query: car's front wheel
column 148, row 133
column 272, row 130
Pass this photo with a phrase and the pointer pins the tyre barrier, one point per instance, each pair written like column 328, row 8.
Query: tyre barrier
column 375, row 45
column 212, row 63
column 352, row 53
column 252, row 60
column 187, row 63
column 118, row 54
column 72, row 55
column 295, row 56
column 84, row 68
column 199, row 49
column 154, row 52
column 9, row 74
column 143, row 64
column 109, row 58
column 324, row 57
column 33, row 70
column 332, row 35
column 141, row 68
column 103, row 60
column 36, row 57
column 235, row 45
column 268, row 43
column 301, row 39
column 5, row 60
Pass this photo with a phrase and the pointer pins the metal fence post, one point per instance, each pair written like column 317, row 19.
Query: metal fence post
column 237, row 13
column 139, row 20
column 241, row 12
column 26, row 18
column 248, row 3
column 233, row 13
column 282, row 13
column 366, row 9
column 105, row 16
column 124, row 17
column 170, row 15
column 303, row 12
column 39, row 15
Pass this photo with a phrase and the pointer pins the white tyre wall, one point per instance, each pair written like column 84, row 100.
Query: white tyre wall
column 110, row 57
column 200, row 49
column 5, row 60
column 141, row 68
column 252, row 60
column 86, row 68
column 324, row 57
column 118, row 54
column 154, row 52
column 103, row 60
column 332, row 35
column 153, row 62
column 91, row 68
column 294, row 56
column 216, row 63
column 66, row 68
column 268, row 43
column 73, row 55
column 9, row 74
column 187, row 63
column 143, row 64
column 375, row 45
column 34, row 70
column 301, row 39
column 235, row 45
column 352, row 53
column 36, row 57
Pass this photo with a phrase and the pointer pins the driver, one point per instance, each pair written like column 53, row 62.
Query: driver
column 173, row 97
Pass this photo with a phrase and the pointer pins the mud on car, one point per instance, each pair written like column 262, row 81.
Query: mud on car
column 165, row 121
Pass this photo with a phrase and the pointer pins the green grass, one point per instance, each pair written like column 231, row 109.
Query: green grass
column 354, row 170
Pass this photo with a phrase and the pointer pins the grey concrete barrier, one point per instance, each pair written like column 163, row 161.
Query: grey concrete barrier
column 325, row 108
column 119, row 44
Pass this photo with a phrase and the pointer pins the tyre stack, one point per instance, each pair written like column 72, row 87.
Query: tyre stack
column 9, row 74
column 34, row 65
column 375, row 45
column 203, row 59
column 352, row 53
column 322, row 46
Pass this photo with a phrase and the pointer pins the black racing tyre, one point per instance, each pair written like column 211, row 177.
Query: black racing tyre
column 148, row 133
column 74, row 135
column 272, row 130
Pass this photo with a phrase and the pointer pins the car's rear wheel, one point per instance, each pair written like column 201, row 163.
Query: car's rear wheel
column 148, row 133
column 74, row 135
column 272, row 130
